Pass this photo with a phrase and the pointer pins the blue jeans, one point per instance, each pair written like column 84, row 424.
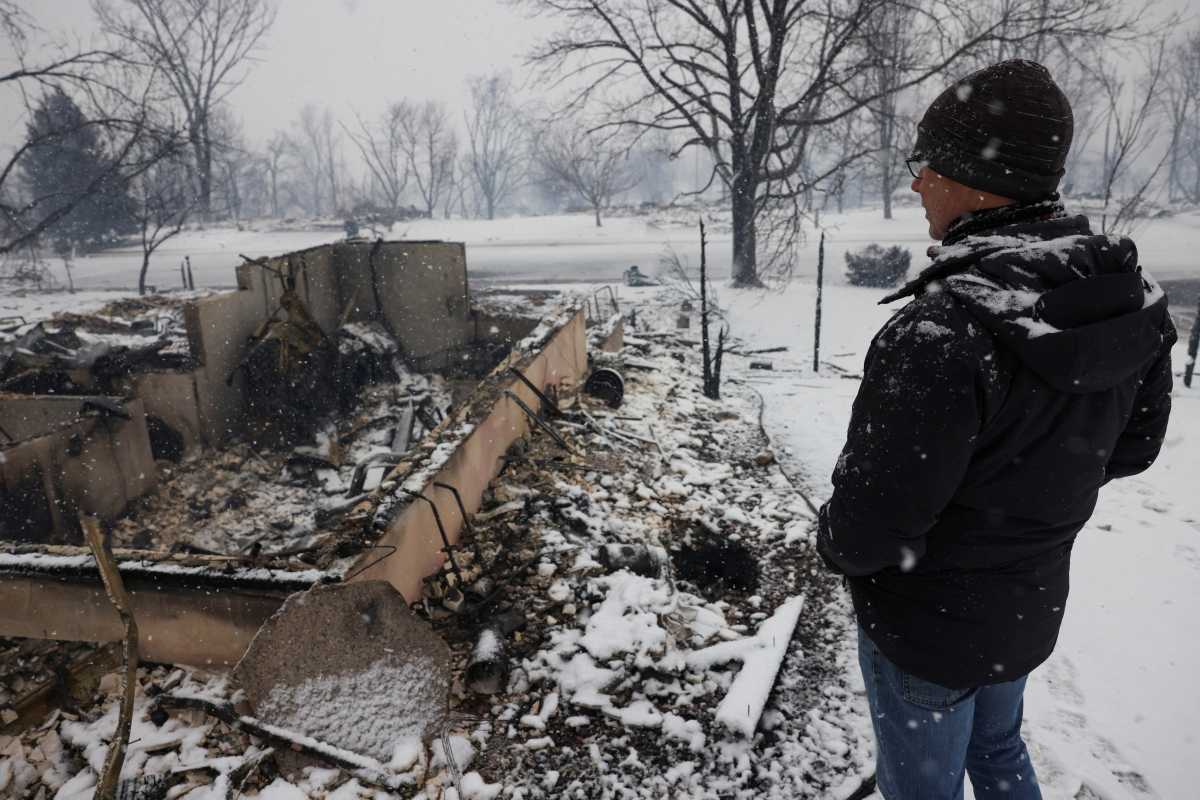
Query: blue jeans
column 928, row 736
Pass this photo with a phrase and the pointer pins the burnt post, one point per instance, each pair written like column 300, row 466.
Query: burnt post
column 704, row 312
column 820, row 291
column 712, row 362
column 1193, row 346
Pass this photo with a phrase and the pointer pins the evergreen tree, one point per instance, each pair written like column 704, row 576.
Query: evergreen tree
column 65, row 153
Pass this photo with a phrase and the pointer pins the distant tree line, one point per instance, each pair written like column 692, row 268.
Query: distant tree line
column 800, row 107
column 777, row 110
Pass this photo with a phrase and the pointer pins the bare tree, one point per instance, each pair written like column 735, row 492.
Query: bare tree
column 117, row 103
column 750, row 82
column 1182, row 98
column 314, row 146
column 431, row 146
column 382, row 147
column 1130, row 109
column 163, row 200
column 451, row 194
column 201, row 48
column 236, row 169
column 496, row 155
column 592, row 167
column 274, row 162
column 890, row 42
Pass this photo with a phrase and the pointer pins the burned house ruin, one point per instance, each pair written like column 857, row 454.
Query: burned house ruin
column 334, row 419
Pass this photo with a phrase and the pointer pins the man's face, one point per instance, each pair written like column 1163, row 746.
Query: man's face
column 945, row 200
column 940, row 199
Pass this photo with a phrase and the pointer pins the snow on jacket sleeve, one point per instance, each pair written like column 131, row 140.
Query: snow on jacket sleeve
column 1139, row 443
column 912, row 433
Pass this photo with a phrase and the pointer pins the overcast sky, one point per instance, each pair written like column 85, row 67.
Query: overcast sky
column 353, row 54
column 345, row 54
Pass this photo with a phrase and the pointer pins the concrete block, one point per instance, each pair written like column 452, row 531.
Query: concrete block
column 350, row 665
column 77, row 464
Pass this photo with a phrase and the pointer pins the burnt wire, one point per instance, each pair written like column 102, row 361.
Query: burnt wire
column 391, row 552
column 539, row 422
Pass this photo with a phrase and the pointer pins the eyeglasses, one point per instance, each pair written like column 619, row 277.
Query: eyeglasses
column 915, row 165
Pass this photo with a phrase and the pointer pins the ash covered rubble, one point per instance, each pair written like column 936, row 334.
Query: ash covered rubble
column 628, row 573
column 654, row 586
column 311, row 456
column 75, row 353
column 320, row 423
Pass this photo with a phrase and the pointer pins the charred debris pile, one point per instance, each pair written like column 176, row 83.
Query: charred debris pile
column 240, row 423
column 336, row 418
column 585, row 625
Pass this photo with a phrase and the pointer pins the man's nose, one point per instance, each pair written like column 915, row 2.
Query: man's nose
column 916, row 185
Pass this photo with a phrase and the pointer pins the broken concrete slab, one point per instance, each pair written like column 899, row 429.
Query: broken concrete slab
column 70, row 456
column 349, row 664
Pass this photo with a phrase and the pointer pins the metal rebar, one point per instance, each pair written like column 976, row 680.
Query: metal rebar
column 462, row 509
column 547, row 403
column 447, row 548
column 539, row 422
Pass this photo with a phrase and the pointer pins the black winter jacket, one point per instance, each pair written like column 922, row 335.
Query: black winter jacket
column 1032, row 367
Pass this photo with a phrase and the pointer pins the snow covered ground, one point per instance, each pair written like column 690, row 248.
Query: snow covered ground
column 1115, row 709
column 570, row 247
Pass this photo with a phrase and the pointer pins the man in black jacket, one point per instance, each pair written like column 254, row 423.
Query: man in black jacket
column 1031, row 367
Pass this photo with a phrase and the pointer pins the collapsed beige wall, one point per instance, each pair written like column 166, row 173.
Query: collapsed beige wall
column 472, row 466
column 423, row 290
column 198, row 626
column 423, row 287
column 27, row 416
column 172, row 397
column 94, row 465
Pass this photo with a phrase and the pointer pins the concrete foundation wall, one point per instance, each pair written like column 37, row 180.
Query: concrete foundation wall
column 197, row 626
column 172, row 397
column 29, row 416
column 209, row 620
column 219, row 327
column 93, row 465
column 422, row 285
column 473, row 465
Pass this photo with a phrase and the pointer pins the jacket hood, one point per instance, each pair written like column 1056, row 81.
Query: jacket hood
column 1074, row 306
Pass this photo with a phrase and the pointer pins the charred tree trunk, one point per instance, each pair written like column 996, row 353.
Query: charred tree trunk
column 745, row 267
column 712, row 361
column 1193, row 347
column 820, row 293
column 142, row 274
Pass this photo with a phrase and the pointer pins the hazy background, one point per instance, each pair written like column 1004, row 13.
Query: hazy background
column 345, row 54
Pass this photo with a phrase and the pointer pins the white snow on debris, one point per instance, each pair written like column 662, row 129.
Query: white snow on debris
column 37, row 306
column 448, row 444
column 44, row 562
column 382, row 691
column 537, row 338
column 761, row 656
column 627, row 620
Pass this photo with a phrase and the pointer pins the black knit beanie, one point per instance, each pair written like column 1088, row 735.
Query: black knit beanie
column 1005, row 129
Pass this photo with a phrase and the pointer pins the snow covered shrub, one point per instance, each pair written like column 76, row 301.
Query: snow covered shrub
column 875, row 266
